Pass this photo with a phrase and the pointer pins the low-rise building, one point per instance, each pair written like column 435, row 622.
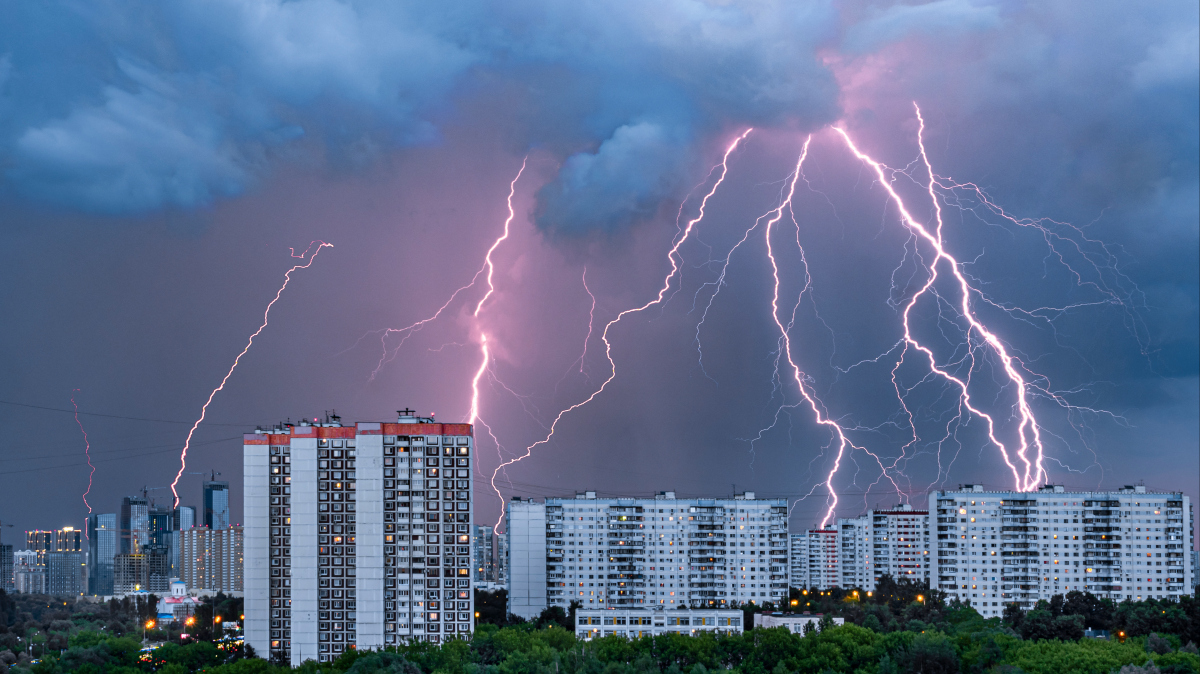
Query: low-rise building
column 179, row 605
column 796, row 623
column 647, row 622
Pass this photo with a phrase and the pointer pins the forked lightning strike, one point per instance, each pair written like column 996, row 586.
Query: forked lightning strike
column 1029, row 441
column 266, row 316
column 672, row 254
column 408, row 330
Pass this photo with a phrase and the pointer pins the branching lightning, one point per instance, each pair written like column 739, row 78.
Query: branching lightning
column 487, row 266
column 1029, row 441
column 673, row 258
column 266, row 316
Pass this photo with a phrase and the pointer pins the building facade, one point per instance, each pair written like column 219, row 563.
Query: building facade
column 66, row 539
column 28, row 577
column 211, row 560
column 135, row 523
column 855, row 552
column 484, row 554
column 997, row 547
column 357, row 536
column 143, row 571
column 6, row 568
column 899, row 544
column 216, row 504
column 642, row 552
column 66, row 573
column 104, row 539
column 634, row 623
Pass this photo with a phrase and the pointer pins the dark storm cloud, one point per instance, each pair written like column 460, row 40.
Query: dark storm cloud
column 394, row 130
column 132, row 107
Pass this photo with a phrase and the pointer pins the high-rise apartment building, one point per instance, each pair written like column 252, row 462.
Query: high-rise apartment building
column 358, row 536
column 28, row 577
column 855, row 552
column 103, row 543
column 216, row 504
column 146, row 570
column 483, row 554
column 997, row 547
column 211, row 560
column 640, row 552
column 66, row 539
column 66, row 573
column 824, row 560
column 899, row 544
column 502, row 561
column 135, row 524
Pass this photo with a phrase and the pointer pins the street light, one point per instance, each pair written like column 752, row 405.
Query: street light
column 148, row 625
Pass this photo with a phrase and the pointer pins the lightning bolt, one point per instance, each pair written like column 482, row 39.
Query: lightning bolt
column 409, row 330
column 1029, row 451
column 266, row 315
column 591, row 322
column 87, row 452
column 675, row 260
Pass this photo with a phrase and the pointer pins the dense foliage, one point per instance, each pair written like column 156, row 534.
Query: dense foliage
column 925, row 636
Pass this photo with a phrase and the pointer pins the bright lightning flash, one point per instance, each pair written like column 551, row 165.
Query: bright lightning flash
column 1029, row 451
column 87, row 452
column 266, row 315
column 672, row 257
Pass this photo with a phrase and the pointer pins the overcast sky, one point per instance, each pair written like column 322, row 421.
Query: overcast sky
column 157, row 163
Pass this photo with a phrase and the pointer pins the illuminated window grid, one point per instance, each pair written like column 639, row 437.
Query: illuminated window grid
column 427, row 538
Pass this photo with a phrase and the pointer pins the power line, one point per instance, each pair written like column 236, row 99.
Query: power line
column 110, row 416
column 169, row 448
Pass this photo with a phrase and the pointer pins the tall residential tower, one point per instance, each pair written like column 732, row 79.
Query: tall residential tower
column 357, row 536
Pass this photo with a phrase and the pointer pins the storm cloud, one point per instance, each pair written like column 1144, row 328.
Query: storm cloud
column 157, row 160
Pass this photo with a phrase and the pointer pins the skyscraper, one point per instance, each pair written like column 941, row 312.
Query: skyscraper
column 6, row 567
column 135, row 524
column 357, row 537
column 216, row 504
column 103, row 542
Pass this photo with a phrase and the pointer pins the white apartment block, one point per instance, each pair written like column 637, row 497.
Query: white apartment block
column 997, row 547
column 211, row 559
column 357, row 537
column 900, row 544
column 648, row 622
column 854, row 551
column 642, row 552
column 817, row 559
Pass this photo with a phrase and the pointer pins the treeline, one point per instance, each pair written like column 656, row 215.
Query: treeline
column 901, row 629
column 973, row 647
column 33, row 625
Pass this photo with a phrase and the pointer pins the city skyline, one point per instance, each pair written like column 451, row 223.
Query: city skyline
column 840, row 255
